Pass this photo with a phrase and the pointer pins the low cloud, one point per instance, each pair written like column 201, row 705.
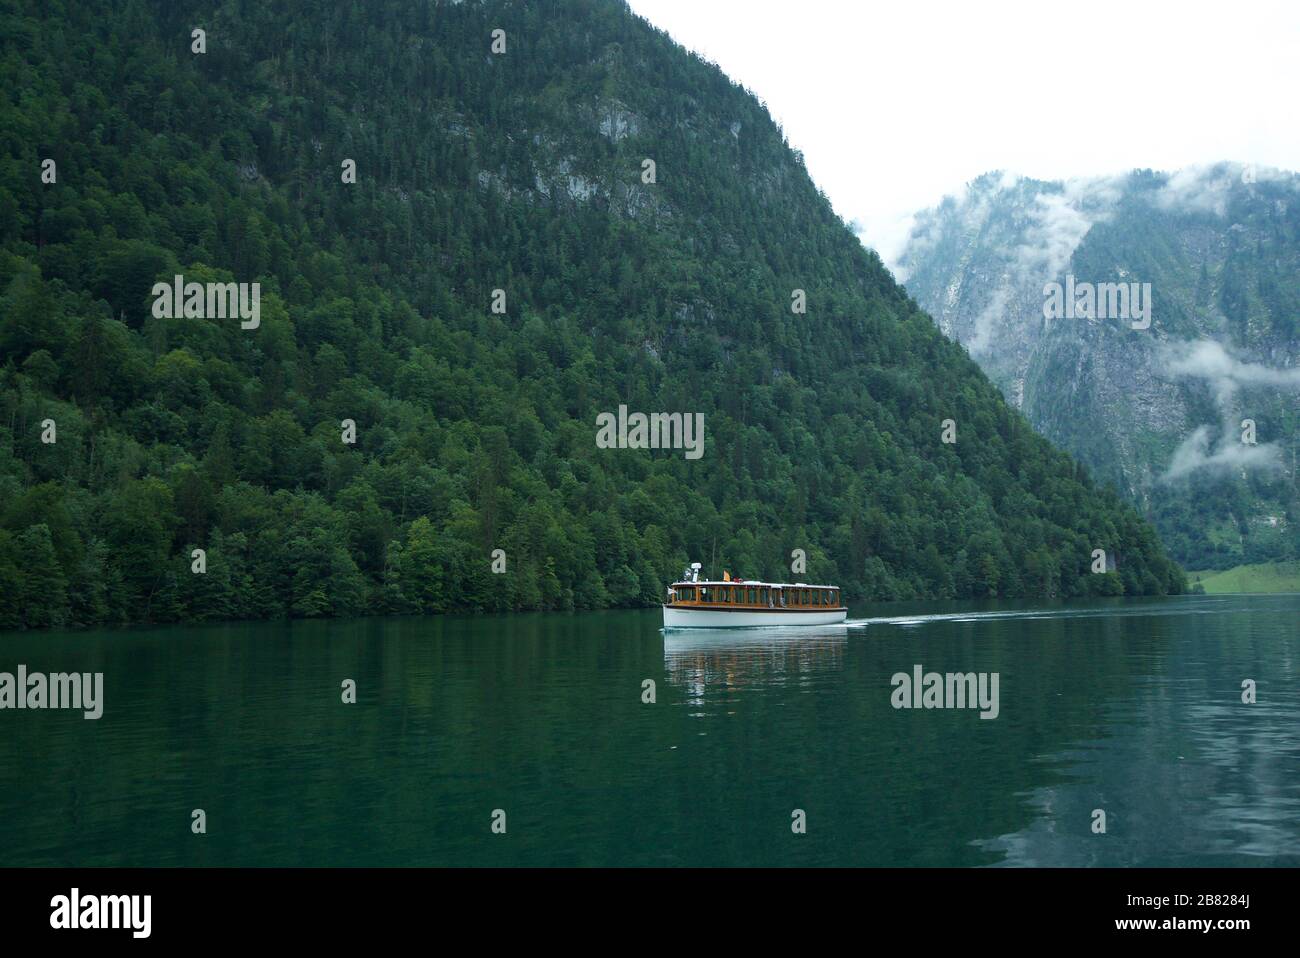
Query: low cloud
column 981, row 340
column 1202, row 189
column 889, row 237
column 1058, row 223
column 1208, row 360
column 1225, row 374
column 1056, row 218
column 1207, row 189
column 1058, row 227
column 1052, row 220
column 1196, row 455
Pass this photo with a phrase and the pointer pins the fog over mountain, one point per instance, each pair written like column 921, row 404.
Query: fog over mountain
column 1194, row 418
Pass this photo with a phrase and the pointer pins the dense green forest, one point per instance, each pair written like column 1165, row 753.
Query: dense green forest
column 521, row 171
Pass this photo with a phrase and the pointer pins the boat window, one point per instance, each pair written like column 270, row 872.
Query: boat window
column 804, row 600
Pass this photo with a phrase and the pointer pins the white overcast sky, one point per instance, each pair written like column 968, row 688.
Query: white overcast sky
column 895, row 104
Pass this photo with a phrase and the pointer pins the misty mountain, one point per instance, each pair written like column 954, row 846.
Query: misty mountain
column 1191, row 411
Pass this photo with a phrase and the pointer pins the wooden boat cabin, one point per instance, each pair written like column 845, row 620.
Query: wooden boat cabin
column 753, row 595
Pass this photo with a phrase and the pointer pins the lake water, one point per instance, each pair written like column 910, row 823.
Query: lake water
column 1129, row 706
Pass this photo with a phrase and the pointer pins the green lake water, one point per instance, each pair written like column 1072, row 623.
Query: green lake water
column 1129, row 706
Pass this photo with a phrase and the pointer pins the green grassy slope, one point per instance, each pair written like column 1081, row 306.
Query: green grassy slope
column 1265, row 577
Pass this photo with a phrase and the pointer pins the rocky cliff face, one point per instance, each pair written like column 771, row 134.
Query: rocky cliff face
column 1160, row 404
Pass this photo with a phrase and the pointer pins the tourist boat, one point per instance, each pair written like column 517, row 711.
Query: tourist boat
column 731, row 603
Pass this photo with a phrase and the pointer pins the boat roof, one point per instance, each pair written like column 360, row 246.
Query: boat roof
column 775, row 585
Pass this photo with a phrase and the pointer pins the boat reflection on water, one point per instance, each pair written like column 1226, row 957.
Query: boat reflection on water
column 734, row 658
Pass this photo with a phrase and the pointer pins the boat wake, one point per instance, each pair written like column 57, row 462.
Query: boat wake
column 1209, row 605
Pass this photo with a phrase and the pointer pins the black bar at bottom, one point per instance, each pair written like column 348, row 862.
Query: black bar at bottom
column 337, row 906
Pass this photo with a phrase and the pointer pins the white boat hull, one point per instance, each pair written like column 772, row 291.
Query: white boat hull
column 678, row 617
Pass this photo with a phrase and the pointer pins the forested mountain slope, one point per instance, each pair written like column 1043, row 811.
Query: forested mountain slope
column 1167, row 413
column 521, row 171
